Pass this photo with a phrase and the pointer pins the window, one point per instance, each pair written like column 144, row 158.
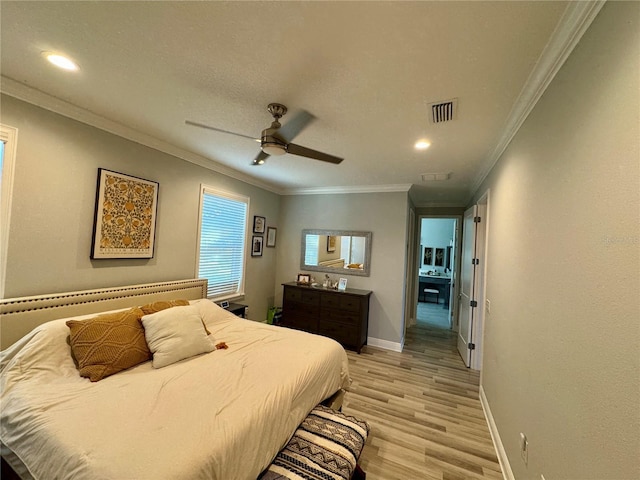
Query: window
column 8, row 137
column 311, row 250
column 221, row 242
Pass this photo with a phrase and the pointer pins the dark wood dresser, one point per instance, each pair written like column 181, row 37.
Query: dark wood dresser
column 343, row 316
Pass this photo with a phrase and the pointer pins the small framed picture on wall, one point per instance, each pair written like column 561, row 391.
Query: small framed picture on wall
column 331, row 243
column 259, row 224
column 271, row 236
column 256, row 246
column 427, row 259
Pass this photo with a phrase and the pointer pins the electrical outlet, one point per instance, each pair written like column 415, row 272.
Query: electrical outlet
column 524, row 448
column 488, row 305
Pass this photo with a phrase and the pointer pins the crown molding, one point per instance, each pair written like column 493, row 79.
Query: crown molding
column 574, row 23
column 348, row 189
column 440, row 205
column 43, row 100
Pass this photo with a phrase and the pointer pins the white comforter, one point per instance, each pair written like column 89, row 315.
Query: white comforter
column 222, row 415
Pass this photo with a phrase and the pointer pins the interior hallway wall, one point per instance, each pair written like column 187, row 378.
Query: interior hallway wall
column 562, row 339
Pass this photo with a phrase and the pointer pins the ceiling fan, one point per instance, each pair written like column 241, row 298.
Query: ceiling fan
column 276, row 140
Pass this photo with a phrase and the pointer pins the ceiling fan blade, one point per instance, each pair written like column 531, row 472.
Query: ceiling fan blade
column 294, row 126
column 307, row 152
column 260, row 158
column 201, row 125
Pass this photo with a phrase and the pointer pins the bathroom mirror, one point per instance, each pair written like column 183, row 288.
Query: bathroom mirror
column 339, row 252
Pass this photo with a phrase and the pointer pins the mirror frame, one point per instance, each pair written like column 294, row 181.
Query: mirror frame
column 365, row 272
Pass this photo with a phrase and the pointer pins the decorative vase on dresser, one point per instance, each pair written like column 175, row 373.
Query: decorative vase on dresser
column 341, row 315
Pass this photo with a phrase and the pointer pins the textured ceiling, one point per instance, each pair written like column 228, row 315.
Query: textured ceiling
column 366, row 71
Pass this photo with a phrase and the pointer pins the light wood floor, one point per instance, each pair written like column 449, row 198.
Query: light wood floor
column 424, row 412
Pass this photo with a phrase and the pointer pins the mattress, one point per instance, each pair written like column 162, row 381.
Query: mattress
column 221, row 415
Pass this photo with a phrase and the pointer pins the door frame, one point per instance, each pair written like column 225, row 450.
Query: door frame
column 469, row 274
column 413, row 284
column 411, row 271
column 482, row 236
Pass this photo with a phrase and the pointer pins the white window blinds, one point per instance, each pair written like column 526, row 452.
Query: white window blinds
column 311, row 250
column 221, row 258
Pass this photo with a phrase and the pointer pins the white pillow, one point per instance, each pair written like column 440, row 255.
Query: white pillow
column 213, row 313
column 174, row 334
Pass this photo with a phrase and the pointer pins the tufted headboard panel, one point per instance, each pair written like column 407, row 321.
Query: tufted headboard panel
column 18, row 316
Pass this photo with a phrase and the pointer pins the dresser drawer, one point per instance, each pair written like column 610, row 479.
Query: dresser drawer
column 340, row 301
column 340, row 332
column 298, row 295
column 308, row 324
column 341, row 316
column 299, row 310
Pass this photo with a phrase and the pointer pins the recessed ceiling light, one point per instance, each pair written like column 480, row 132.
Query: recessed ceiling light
column 61, row 61
column 422, row 145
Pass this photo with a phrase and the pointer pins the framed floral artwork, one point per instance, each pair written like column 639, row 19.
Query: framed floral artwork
column 124, row 222
column 331, row 243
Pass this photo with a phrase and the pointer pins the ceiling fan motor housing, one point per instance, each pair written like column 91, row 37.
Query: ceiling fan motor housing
column 271, row 144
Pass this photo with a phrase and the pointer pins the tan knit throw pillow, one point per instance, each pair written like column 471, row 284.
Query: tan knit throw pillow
column 109, row 343
column 155, row 307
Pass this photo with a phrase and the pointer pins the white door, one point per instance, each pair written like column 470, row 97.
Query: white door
column 453, row 301
column 467, row 283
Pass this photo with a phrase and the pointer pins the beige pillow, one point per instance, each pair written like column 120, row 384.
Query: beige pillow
column 174, row 334
column 108, row 344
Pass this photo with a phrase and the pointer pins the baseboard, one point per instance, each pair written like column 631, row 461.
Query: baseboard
column 507, row 473
column 386, row 344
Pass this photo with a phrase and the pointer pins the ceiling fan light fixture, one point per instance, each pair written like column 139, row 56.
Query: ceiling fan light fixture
column 273, row 148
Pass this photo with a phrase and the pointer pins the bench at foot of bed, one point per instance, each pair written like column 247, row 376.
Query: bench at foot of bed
column 326, row 445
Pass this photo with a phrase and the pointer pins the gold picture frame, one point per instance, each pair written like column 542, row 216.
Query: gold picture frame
column 124, row 222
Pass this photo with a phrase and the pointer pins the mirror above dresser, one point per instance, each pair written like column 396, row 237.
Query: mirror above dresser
column 341, row 252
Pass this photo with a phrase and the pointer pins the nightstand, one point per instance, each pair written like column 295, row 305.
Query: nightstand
column 237, row 309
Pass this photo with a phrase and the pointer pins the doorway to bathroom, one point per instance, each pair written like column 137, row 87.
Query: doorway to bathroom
column 437, row 260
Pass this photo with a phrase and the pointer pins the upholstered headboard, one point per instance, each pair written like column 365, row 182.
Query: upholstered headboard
column 18, row 316
column 338, row 263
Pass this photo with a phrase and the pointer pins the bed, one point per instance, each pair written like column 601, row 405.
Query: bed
column 218, row 415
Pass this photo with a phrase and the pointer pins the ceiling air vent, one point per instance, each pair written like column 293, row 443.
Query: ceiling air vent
column 435, row 177
column 444, row 111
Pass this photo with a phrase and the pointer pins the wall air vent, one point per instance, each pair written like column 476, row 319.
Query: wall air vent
column 444, row 111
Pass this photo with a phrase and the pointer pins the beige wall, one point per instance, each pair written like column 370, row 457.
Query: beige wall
column 54, row 200
column 383, row 214
column 561, row 344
